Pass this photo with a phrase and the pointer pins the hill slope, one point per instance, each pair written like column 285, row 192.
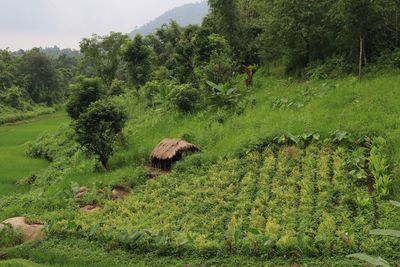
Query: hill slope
column 183, row 15
column 235, row 198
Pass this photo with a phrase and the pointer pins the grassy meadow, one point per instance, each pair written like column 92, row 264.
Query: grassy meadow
column 14, row 164
column 236, row 203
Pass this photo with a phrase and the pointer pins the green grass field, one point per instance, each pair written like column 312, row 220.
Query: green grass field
column 14, row 164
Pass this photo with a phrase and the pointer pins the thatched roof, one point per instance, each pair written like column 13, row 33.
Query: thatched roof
column 169, row 148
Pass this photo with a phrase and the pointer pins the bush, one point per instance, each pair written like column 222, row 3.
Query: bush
column 52, row 146
column 99, row 128
column 10, row 115
column 184, row 97
column 332, row 68
column 224, row 95
column 9, row 237
column 386, row 61
column 13, row 97
column 220, row 69
column 156, row 92
column 117, row 87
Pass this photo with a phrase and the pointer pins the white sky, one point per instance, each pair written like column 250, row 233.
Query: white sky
column 32, row 23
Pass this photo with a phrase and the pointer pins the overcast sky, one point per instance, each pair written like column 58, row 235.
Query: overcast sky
column 29, row 23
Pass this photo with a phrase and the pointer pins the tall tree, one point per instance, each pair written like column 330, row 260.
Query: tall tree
column 6, row 65
column 363, row 18
column 138, row 57
column 36, row 73
column 103, row 55
column 225, row 18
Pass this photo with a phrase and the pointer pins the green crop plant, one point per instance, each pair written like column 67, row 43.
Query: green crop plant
column 379, row 167
column 378, row 261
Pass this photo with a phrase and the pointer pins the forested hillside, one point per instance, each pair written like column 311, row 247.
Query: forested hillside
column 289, row 114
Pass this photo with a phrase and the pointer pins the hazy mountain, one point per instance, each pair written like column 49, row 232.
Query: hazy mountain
column 184, row 15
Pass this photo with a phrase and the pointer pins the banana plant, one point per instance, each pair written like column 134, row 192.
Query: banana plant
column 224, row 94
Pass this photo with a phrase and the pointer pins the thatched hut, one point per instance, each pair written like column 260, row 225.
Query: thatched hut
column 169, row 151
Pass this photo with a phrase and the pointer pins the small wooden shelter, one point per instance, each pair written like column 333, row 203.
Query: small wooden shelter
column 169, row 151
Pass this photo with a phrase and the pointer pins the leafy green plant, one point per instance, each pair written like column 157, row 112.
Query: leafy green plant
column 378, row 165
column 378, row 261
column 223, row 95
column 302, row 140
column 13, row 97
column 340, row 136
column 301, row 97
column 356, row 162
column 185, row 97
column 9, row 237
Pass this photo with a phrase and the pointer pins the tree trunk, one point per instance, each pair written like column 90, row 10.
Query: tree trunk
column 365, row 54
column 397, row 27
column 104, row 162
column 360, row 62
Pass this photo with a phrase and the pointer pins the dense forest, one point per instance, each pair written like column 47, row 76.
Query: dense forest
column 293, row 104
column 305, row 39
column 309, row 40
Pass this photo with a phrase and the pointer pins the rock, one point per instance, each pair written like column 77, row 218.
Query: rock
column 119, row 192
column 30, row 231
column 81, row 192
column 90, row 209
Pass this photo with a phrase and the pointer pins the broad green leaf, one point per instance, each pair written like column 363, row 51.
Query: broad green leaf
column 316, row 136
column 254, row 231
column 213, row 85
column 395, row 203
column 184, row 242
column 385, row 232
column 377, row 261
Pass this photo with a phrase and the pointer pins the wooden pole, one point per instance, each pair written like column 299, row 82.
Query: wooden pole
column 360, row 58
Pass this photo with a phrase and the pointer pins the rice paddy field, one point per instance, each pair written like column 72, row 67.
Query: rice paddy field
column 15, row 165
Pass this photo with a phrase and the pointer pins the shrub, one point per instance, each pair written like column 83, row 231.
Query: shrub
column 117, row 87
column 184, row 97
column 13, row 97
column 54, row 145
column 332, row 68
column 224, row 95
column 9, row 237
column 220, row 68
column 99, row 128
column 388, row 60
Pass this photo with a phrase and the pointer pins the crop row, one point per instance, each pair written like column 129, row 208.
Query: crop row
column 285, row 201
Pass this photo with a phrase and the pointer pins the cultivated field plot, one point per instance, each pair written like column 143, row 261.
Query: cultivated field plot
column 282, row 201
column 14, row 163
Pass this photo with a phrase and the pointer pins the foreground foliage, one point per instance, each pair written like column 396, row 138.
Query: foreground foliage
column 286, row 202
